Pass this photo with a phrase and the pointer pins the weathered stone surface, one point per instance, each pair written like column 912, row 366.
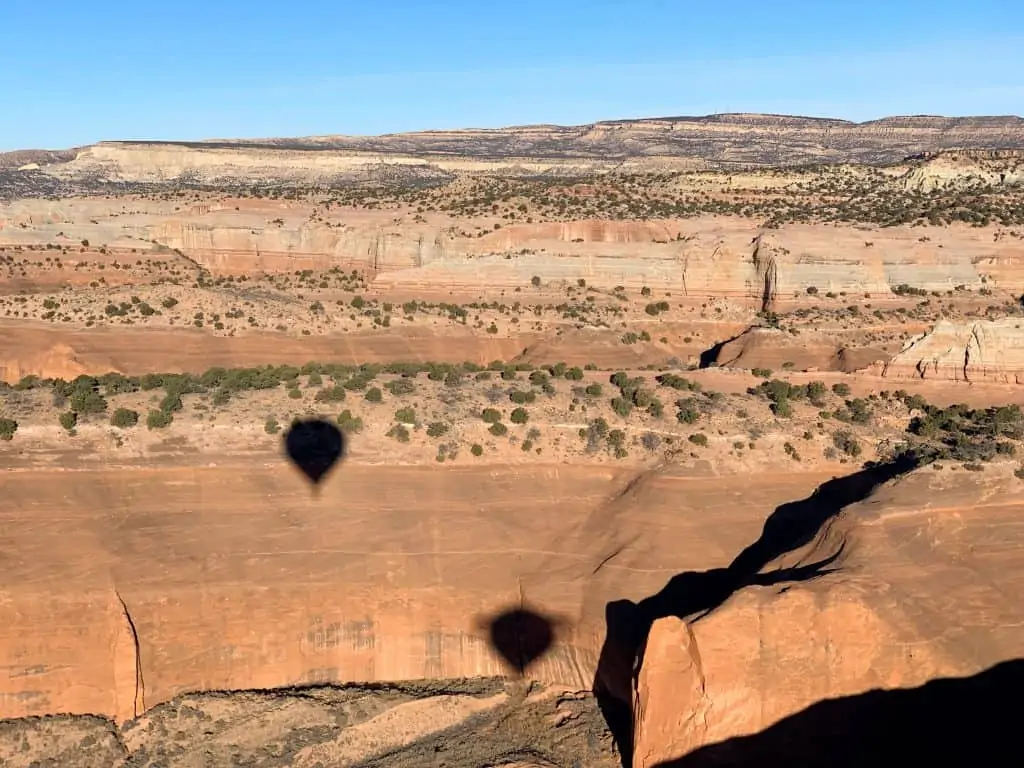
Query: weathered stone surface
column 985, row 350
column 924, row 584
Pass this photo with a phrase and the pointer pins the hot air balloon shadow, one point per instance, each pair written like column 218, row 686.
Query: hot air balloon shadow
column 314, row 446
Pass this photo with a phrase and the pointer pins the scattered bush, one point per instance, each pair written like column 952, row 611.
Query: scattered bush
column 436, row 429
column 158, row 419
column 348, row 423
column 124, row 418
column 519, row 416
column 498, row 429
column 68, row 420
column 7, row 428
column 698, row 438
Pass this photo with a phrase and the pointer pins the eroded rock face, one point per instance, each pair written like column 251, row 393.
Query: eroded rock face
column 919, row 588
column 985, row 350
column 775, row 350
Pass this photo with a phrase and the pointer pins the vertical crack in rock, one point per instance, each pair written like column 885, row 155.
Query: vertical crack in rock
column 976, row 339
column 139, row 701
column 767, row 271
column 704, row 705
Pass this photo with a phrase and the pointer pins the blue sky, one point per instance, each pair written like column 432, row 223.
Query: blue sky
column 74, row 72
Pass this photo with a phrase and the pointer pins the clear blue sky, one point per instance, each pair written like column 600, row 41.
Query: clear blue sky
column 73, row 72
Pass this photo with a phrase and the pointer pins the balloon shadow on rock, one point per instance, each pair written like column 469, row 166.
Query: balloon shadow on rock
column 520, row 635
column 693, row 594
column 953, row 721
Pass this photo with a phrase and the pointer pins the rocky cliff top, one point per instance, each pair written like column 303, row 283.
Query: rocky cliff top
column 726, row 140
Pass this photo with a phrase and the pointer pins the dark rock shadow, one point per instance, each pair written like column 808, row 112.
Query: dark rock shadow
column 693, row 594
column 954, row 721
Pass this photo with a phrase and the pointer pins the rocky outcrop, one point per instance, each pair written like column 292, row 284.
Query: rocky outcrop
column 775, row 350
column 959, row 170
column 910, row 587
column 981, row 351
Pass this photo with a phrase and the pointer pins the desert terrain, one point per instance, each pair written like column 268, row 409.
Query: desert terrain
column 669, row 443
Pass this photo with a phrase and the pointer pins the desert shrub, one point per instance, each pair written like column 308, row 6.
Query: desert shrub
column 491, row 415
column 519, row 416
column 373, row 395
column 400, row 433
column 68, row 420
column 762, row 373
column 476, row 449
column 846, row 442
column 7, row 428
column 675, row 381
column 622, row 406
column 158, row 419
column 87, row 401
column 169, row 303
column 348, row 423
column 401, row 386
column 271, row 426
column 171, row 402
column 436, row 429
column 405, row 415
column 698, row 438
column 688, row 412
column 841, row 389
column 594, row 390
column 498, row 429
column 650, row 441
column 594, row 433
column 295, row 393
column 519, row 397
column 123, row 418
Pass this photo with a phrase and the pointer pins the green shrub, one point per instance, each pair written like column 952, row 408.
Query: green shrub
column 88, row 401
column 271, row 427
column 401, row 386
column 594, row 390
column 698, row 438
column 349, row 423
column 7, row 428
column 846, row 442
column 400, row 433
column 330, row 395
column 68, row 420
column 373, row 395
column 491, row 415
column 519, row 416
column 436, row 429
column 158, row 419
column 622, row 406
column 476, row 449
column 498, row 429
column 123, row 418
column 688, row 412
column 405, row 415
column 841, row 389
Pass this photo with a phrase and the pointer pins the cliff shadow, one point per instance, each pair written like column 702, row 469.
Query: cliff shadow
column 693, row 594
column 952, row 721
